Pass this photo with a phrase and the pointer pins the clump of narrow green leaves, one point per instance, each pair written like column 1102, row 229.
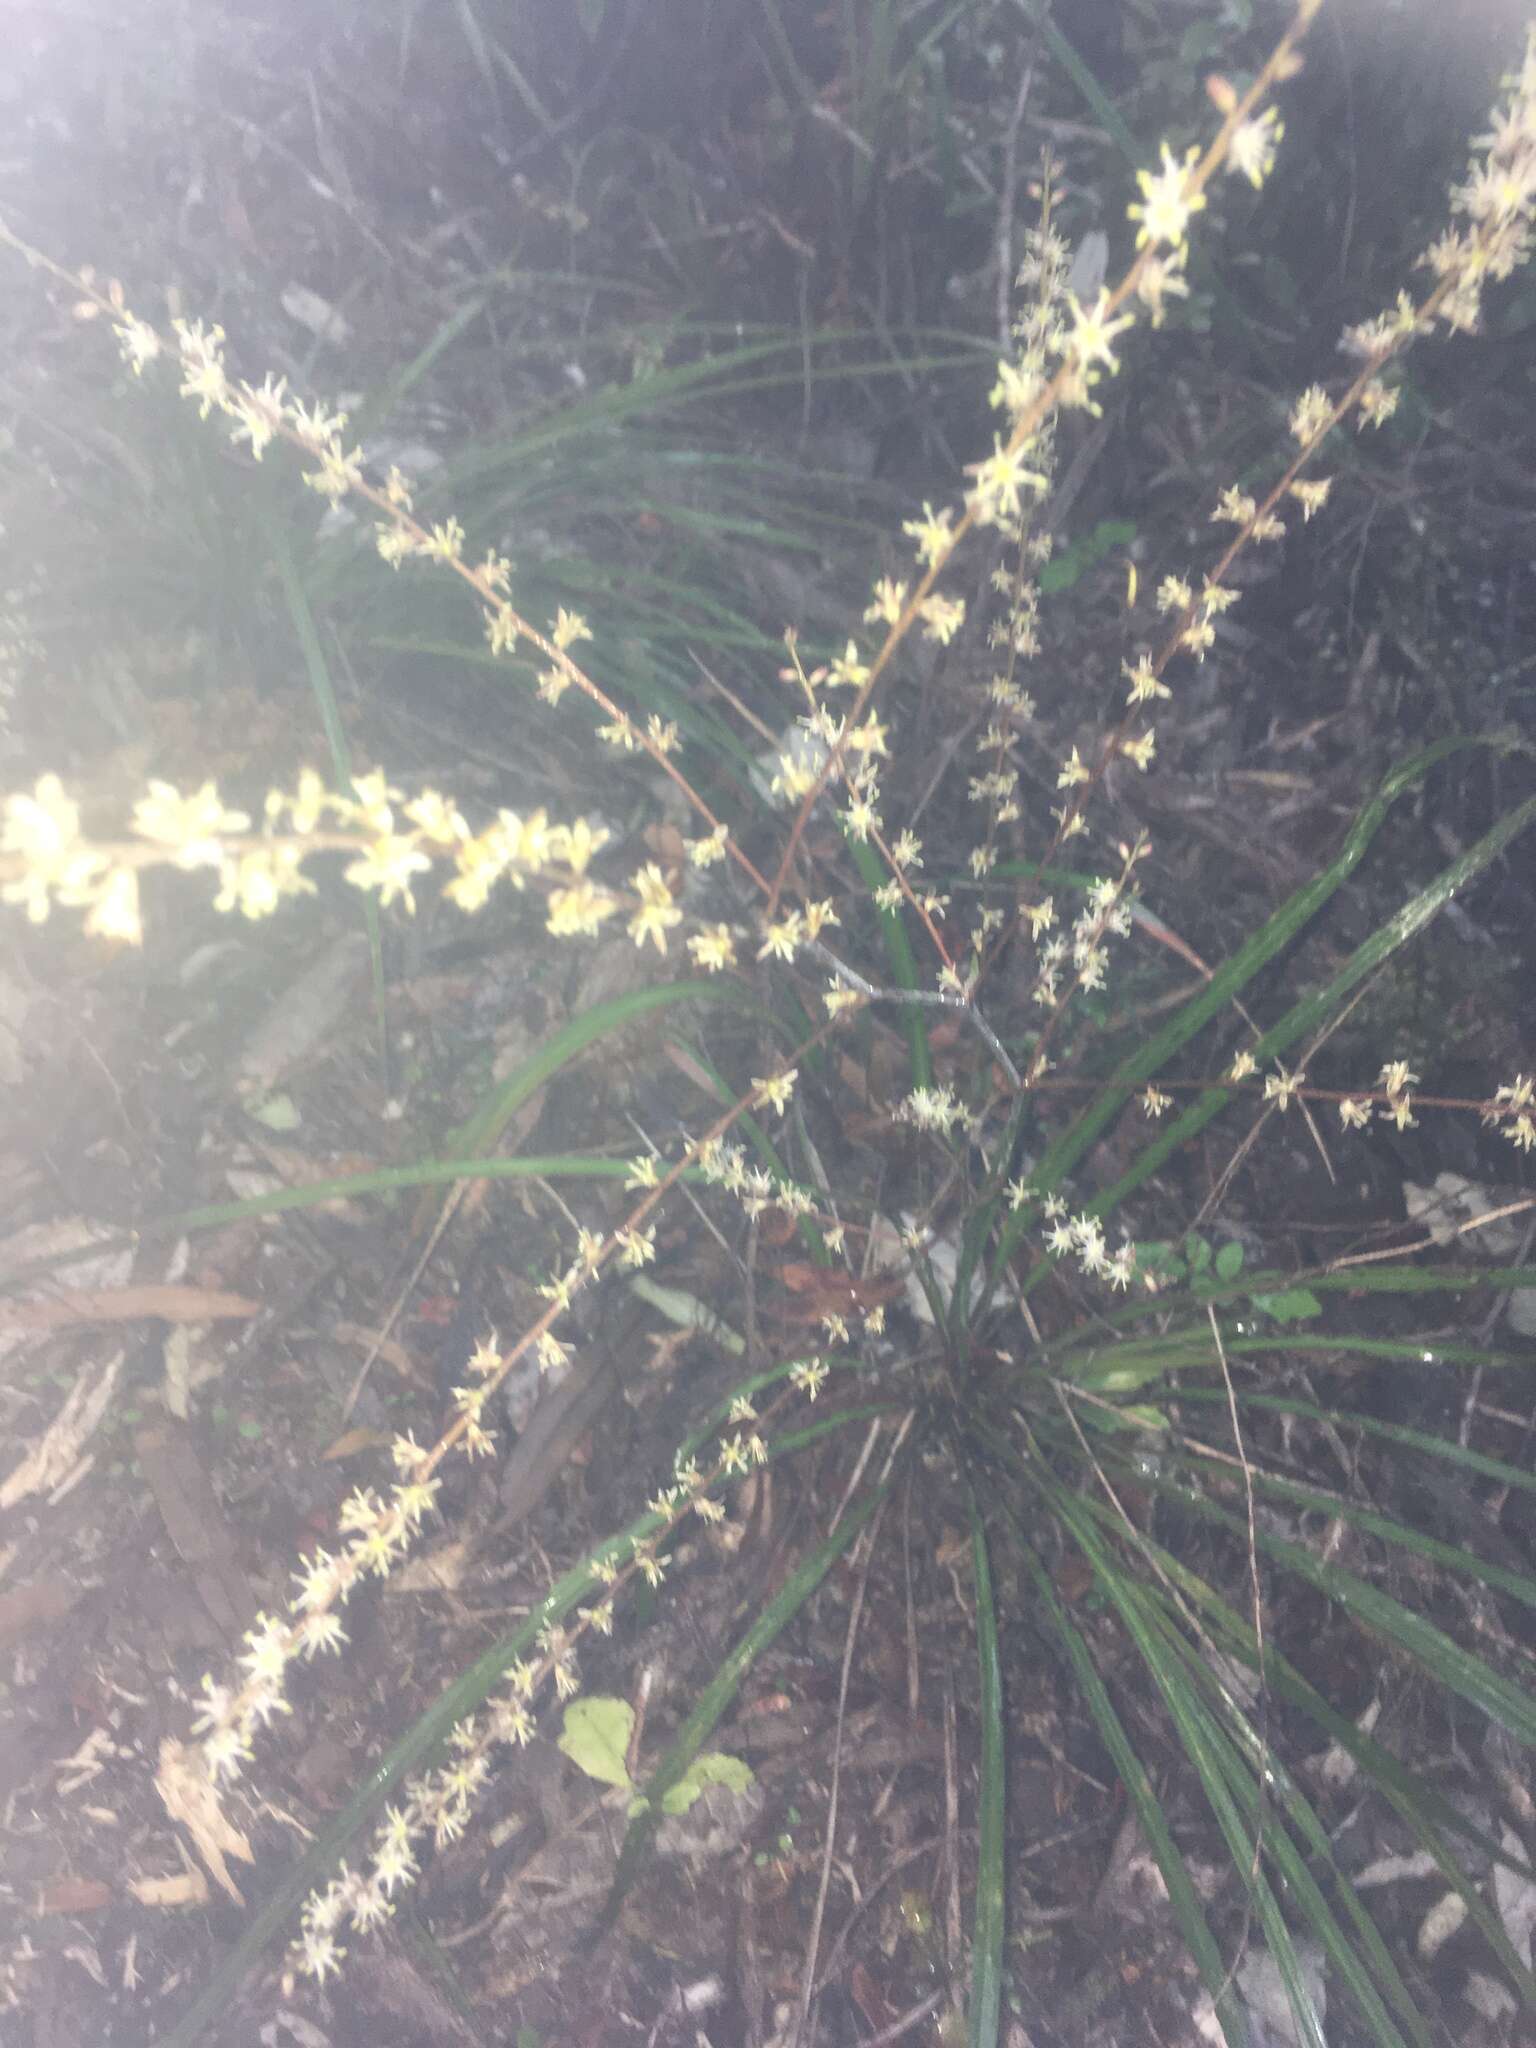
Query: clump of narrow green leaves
column 1044, row 1429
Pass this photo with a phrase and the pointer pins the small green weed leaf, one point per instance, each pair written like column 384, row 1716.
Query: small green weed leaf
column 1291, row 1305
column 722, row 1688
column 714, row 1767
column 1162, row 1258
column 1111, row 1378
column 1229, row 1262
column 276, row 1113
column 1131, row 1418
column 1063, row 570
column 688, row 1313
column 1198, row 1252
column 597, row 1735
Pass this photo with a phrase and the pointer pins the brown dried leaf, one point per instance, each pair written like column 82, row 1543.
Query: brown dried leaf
column 441, row 1571
column 73, row 1895
column 830, row 1290
column 195, row 1521
column 351, row 1441
column 27, row 1607
column 166, row 1303
column 393, row 1354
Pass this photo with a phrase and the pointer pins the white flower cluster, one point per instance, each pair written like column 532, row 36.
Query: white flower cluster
column 1082, row 1238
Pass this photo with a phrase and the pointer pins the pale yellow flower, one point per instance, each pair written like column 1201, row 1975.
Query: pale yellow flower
column 848, row 670
column 370, row 802
column 1165, row 207
column 1311, row 493
column 1093, row 331
column 569, row 627
column 1251, row 152
column 314, row 426
column 258, row 879
column 445, row 541
column 868, row 738
column 306, row 808
column 137, row 341
column 714, row 948
column 861, row 817
column 481, row 862
column 1378, row 402
column 388, row 866
column 887, row 601
column 44, row 829
column 931, row 532
column 1280, row 1088
column 1000, row 479
column 620, row 733
column 258, row 412
column 1144, row 680
column 774, row 1092
column 579, row 910
column 574, row 844
column 202, row 365
column 194, row 826
column 783, row 938
column 1311, row 414
column 339, row 474
column 711, row 848
column 502, row 628
column 437, row 818
column 942, row 617
column 1162, row 277
column 657, row 912
column 637, row 1247
column 1016, row 390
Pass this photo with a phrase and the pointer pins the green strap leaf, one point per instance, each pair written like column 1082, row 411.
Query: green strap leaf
column 1149, row 1059
column 987, row 1940
column 1183, row 1898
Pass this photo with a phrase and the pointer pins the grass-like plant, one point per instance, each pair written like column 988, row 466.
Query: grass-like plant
column 1051, row 1419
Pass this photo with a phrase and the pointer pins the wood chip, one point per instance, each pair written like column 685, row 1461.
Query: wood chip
column 189, row 1797
column 57, row 1452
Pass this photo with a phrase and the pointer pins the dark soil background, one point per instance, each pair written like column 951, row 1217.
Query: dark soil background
column 476, row 222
